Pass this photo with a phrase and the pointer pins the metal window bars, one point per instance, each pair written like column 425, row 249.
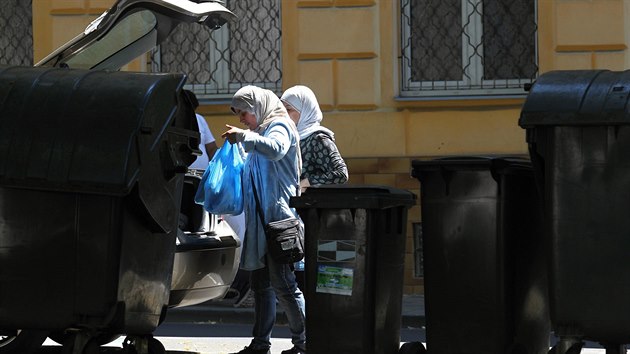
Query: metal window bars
column 16, row 36
column 467, row 47
column 218, row 63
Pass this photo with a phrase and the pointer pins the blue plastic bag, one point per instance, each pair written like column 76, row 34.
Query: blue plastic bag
column 220, row 190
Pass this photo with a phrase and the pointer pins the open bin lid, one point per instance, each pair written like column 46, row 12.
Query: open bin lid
column 336, row 196
column 82, row 131
column 494, row 164
column 130, row 28
column 578, row 97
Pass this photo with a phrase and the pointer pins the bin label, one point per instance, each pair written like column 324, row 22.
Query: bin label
column 334, row 280
column 337, row 251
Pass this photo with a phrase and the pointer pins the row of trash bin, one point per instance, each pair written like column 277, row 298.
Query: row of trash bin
column 515, row 249
column 484, row 264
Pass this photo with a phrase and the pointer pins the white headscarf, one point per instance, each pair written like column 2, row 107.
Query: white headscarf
column 304, row 101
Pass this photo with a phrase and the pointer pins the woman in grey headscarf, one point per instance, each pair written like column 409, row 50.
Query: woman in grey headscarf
column 272, row 166
column 321, row 161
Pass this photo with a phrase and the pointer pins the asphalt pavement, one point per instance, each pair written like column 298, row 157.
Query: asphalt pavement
column 224, row 311
column 209, row 328
column 218, row 327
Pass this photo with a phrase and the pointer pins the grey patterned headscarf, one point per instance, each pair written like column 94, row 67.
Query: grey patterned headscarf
column 262, row 103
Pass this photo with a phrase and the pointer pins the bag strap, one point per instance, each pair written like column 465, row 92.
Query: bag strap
column 258, row 209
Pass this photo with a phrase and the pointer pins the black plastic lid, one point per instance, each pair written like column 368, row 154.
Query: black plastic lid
column 578, row 98
column 353, row 197
column 494, row 164
column 83, row 131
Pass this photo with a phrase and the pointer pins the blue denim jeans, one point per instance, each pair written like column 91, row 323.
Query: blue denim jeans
column 277, row 280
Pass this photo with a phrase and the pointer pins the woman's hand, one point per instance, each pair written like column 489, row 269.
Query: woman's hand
column 233, row 134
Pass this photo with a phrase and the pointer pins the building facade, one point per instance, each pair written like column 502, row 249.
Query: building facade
column 397, row 80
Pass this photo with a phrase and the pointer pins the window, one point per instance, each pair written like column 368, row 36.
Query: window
column 16, row 37
column 220, row 62
column 456, row 48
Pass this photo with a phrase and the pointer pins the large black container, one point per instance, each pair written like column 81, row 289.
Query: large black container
column 355, row 241
column 578, row 131
column 91, row 173
column 484, row 267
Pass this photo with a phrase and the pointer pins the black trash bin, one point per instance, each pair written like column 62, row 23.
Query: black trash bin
column 91, row 173
column 484, row 265
column 355, row 241
column 578, row 131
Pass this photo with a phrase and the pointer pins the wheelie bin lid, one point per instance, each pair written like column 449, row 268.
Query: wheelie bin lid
column 495, row 164
column 577, row 98
column 340, row 196
column 70, row 130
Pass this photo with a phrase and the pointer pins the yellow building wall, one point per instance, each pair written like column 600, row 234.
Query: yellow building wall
column 347, row 51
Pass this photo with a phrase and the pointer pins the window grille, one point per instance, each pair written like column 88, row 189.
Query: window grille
column 467, row 47
column 219, row 62
column 16, row 36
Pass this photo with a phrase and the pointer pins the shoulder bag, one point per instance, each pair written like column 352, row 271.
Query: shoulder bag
column 285, row 238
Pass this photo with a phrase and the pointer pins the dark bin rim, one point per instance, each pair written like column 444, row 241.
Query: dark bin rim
column 596, row 97
column 342, row 196
column 496, row 164
column 61, row 157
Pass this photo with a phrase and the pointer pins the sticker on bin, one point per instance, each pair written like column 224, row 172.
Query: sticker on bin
column 337, row 251
column 334, row 280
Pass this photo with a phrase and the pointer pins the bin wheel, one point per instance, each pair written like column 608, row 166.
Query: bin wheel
column 156, row 347
column 412, row 348
column 21, row 341
column 129, row 346
column 134, row 345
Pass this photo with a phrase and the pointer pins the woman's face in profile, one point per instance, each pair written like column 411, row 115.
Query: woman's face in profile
column 247, row 119
column 293, row 113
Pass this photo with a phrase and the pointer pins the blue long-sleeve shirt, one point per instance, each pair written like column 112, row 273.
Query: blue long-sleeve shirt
column 272, row 162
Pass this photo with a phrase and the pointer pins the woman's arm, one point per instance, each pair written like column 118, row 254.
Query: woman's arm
column 323, row 163
column 273, row 145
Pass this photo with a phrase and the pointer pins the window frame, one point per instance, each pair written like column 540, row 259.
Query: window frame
column 476, row 87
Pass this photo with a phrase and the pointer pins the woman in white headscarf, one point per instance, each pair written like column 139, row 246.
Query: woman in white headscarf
column 272, row 167
column 321, row 161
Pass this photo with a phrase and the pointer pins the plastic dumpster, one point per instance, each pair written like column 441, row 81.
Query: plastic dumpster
column 355, row 241
column 578, row 131
column 484, row 265
column 91, row 172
